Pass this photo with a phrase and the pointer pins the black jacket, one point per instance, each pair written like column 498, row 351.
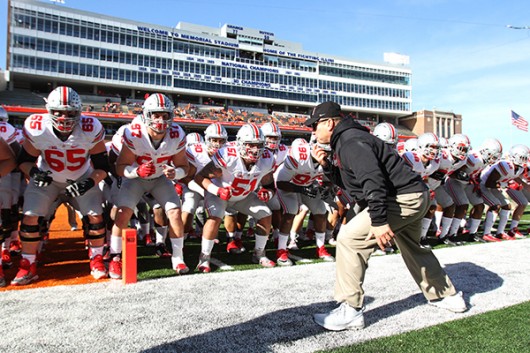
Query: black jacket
column 370, row 170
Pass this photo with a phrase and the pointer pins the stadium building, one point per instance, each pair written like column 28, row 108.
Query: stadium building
column 231, row 67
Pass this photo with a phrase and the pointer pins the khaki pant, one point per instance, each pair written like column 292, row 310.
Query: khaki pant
column 404, row 214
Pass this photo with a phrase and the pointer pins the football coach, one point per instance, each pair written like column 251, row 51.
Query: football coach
column 396, row 200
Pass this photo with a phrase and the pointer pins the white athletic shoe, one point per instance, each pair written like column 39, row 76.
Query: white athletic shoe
column 454, row 303
column 341, row 318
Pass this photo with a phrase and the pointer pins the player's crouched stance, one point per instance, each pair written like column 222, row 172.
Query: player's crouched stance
column 150, row 144
column 230, row 179
column 73, row 159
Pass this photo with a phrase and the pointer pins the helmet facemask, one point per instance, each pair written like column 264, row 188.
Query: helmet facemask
column 272, row 142
column 64, row 122
column 214, row 143
column 251, row 151
column 157, row 121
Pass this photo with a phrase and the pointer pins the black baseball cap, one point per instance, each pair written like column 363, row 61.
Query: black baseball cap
column 324, row 110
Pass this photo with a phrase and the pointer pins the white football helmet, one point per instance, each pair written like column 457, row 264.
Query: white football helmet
column 386, row 132
column 272, row 134
column 156, row 103
column 518, row 155
column 250, row 142
column 429, row 145
column 491, row 150
column 411, row 145
column 459, row 146
column 443, row 142
column 193, row 138
column 64, row 105
column 299, row 141
column 4, row 117
column 218, row 132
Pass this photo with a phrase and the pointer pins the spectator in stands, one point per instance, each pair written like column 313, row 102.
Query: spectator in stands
column 396, row 200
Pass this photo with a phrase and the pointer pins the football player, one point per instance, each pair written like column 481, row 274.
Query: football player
column 230, row 180
column 152, row 155
column 73, row 159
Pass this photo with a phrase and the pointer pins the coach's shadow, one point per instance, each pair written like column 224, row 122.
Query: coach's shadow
column 257, row 335
column 466, row 277
column 296, row 323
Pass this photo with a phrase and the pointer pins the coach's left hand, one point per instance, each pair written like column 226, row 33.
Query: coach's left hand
column 383, row 235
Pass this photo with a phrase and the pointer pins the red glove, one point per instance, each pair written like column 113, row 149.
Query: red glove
column 264, row 194
column 146, row 170
column 512, row 184
column 178, row 189
column 225, row 193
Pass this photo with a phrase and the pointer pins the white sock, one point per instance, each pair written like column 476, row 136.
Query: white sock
column 115, row 244
column 488, row 223
column 446, row 224
column 514, row 224
column 454, row 226
column 96, row 250
column 261, row 242
column 473, row 225
column 503, row 220
column 30, row 258
column 161, row 234
column 206, row 246
column 293, row 235
column 438, row 218
column 230, row 235
column 320, row 238
column 425, row 225
column 144, row 227
column 176, row 245
column 282, row 241
column 275, row 233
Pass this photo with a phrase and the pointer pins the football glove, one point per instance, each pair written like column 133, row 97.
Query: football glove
column 264, row 194
column 145, row 170
column 79, row 188
column 225, row 193
column 41, row 178
column 310, row 190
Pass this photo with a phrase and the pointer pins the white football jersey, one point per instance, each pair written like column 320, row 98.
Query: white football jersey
column 136, row 138
column 8, row 132
column 197, row 154
column 413, row 159
column 507, row 171
column 66, row 160
column 117, row 139
column 448, row 164
column 279, row 155
column 235, row 173
column 299, row 167
column 474, row 165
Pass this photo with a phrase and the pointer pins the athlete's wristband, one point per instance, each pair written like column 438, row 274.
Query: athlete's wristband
column 130, row 172
column 213, row 189
column 180, row 173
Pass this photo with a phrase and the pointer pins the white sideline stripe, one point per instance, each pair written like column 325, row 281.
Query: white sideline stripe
column 299, row 259
column 222, row 266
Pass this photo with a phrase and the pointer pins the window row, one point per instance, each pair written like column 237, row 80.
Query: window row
column 366, row 103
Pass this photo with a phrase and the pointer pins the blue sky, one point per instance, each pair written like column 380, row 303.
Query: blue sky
column 463, row 57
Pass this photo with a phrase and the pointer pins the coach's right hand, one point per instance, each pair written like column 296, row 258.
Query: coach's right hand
column 40, row 177
column 145, row 170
